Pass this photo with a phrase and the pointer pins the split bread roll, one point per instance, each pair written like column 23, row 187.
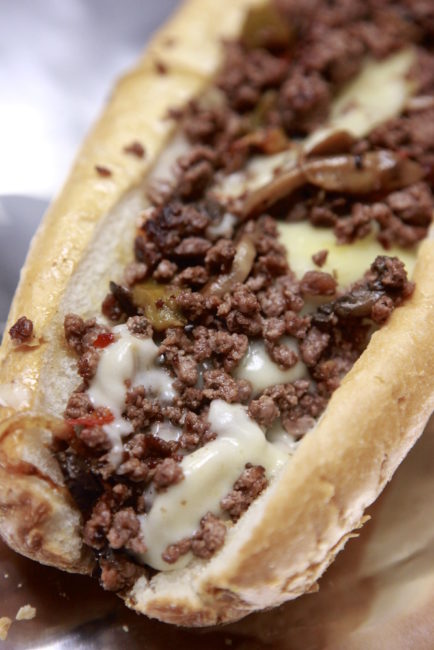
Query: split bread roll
column 293, row 530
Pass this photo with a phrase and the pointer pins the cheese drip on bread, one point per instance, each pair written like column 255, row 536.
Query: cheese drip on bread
column 209, row 474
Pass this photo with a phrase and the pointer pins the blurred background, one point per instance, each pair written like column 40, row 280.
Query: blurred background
column 59, row 62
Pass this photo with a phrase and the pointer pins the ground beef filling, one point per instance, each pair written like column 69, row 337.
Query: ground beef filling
column 203, row 286
column 22, row 330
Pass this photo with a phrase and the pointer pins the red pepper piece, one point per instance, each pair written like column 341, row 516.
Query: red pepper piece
column 98, row 418
column 103, row 340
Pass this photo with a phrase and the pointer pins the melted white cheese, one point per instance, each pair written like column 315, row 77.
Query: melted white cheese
column 209, row 474
column 348, row 262
column 259, row 369
column 166, row 431
column 378, row 93
column 133, row 359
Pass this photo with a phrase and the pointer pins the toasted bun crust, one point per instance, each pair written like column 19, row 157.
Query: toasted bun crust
column 293, row 531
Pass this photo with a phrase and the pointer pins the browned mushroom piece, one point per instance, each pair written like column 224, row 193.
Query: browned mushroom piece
column 241, row 267
column 282, row 185
column 333, row 142
column 269, row 141
column 350, row 174
column 375, row 170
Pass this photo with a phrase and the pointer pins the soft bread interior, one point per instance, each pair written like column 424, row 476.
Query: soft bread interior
column 104, row 261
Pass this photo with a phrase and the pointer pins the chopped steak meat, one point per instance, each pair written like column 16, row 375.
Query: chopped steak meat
column 165, row 271
column 264, row 410
column 125, row 531
column 318, row 283
column 247, row 487
column 195, row 171
column 209, row 538
column 174, row 551
column 381, row 309
column 246, row 74
column 412, row 135
column 136, row 149
column 266, row 95
column 22, row 331
column 390, row 273
column 219, row 385
column 88, row 363
column 140, row 326
column 204, row 543
column 79, row 406
column 303, row 101
column 103, row 171
column 80, row 334
column 320, row 257
column 141, row 410
column 95, row 437
column 98, row 525
column 283, row 355
column 118, row 573
column 358, row 225
column 219, row 257
column 313, row 346
column 412, row 204
column 168, row 473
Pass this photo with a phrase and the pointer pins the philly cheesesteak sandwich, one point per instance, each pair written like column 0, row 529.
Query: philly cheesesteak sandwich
column 221, row 346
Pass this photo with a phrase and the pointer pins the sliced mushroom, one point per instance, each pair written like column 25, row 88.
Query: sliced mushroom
column 282, row 185
column 332, row 142
column 241, row 267
column 357, row 303
column 375, row 170
column 269, row 141
column 350, row 174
